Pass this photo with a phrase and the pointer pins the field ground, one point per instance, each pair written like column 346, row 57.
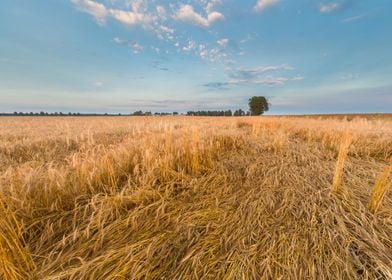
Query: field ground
column 195, row 198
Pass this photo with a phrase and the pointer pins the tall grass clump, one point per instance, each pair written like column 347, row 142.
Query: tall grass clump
column 15, row 259
column 342, row 156
column 383, row 183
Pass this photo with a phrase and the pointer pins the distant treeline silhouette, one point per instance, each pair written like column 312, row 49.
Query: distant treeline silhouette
column 59, row 114
column 258, row 105
column 226, row 113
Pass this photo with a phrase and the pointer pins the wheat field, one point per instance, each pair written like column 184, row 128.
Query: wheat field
column 195, row 198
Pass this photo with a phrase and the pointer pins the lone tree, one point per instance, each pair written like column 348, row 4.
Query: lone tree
column 258, row 105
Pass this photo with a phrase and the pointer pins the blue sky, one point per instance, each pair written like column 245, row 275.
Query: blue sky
column 306, row 56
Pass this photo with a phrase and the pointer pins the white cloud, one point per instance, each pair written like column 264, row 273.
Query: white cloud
column 329, row 7
column 191, row 45
column 138, row 6
column 137, row 48
column 166, row 29
column 223, row 42
column 119, row 41
column 187, row 14
column 131, row 13
column 131, row 18
column 263, row 4
column 161, row 11
column 93, row 8
column 213, row 54
column 136, row 12
column 164, row 33
column 215, row 16
column 211, row 5
column 154, row 18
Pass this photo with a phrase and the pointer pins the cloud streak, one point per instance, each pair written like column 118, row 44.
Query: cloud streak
column 352, row 19
column 256, row 72
column 217, row 86
column 256, row 76
column 268, row 81
column 135, row 46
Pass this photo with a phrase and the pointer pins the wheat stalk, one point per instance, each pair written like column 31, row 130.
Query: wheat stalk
column 380, row 189
column 342, row 156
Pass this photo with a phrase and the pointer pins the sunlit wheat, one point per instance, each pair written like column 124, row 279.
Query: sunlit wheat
column 195, row 198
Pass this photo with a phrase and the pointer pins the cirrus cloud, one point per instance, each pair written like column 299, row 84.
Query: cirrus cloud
column 272, row 75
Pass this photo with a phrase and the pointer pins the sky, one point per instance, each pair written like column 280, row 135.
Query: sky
column 119, row 56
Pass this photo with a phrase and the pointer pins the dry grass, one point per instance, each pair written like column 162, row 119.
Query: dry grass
column 195, row 198
column 380, row 189
column 343, row 152
column 15, row 260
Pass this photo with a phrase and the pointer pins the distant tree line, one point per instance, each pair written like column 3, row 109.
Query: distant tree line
column 210, row 113
column 227, row 113
column 57, row 114
column 257, row 106
column 141, row 113
column 42, row 113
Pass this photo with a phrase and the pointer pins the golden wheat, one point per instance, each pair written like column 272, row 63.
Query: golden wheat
column 380, row 189
column 194, row 198
column 343, row 151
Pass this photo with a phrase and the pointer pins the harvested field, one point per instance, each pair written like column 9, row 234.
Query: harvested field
column 195, row 198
